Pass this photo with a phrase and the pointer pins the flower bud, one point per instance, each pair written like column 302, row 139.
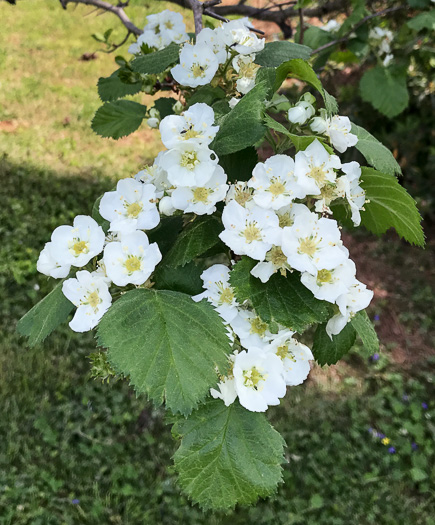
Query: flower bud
column 300, row 113
column 153, row 123
column 178, row 107
column 166, row 207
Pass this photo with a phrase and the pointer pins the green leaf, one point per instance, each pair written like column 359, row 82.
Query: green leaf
column 166, row 232
column 227, row 455
column 275, row 53
column 284, row 300
column 300, row 142
column 167, row 344
column 239, row 165
column 366, row 331
column 118, row 119
column 164, row 106
column 303, row 71
column 417, row 474
column 112, row 88
column 328, row 352
column 424, row 20
column 243, row 126
column 197, row 237
column 157, row 61
column 390, row 206
column 45, row 316
column 375, row 152
column 385, row 89
column 267, row 75
column 207, row 95
column 97, row 217
column 315, row 37
column 185, row 279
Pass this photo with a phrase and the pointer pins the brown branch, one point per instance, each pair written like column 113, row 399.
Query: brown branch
column 301, row 26
column 346, row 37
column 106, row 6
column 197, row 8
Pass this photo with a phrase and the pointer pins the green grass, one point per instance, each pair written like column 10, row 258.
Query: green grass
column 76, row 451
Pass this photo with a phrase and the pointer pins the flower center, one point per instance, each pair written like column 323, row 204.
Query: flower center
column 189, row 160
column 318, row 174
column 134, row 209
column 253, row 377
column 198, row 70
column 248, row 70
column 276, row 188
column 258, row 327
column 190, row 133
column 276, row 256
column 283, row 352
column 169, row 25
column 93, row 299
column 252, row 233
column 227, row 296
column 308, row 246
column 132, row 264
column 328, row 193
column 80, row 247
column 324, row 276
column 201, row 195
column 242, row 196
column 285, row 220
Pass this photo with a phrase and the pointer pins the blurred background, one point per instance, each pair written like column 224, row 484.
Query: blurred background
column 75, row 450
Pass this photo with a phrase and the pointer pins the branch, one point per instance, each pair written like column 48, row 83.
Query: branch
column 346, row 37
column 197, row 8
column 106, row 6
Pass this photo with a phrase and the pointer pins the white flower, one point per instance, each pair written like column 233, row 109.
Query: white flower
column 233, row 102
column 90, row 294
column 161, row 29
column 275, row 183
column 76, row 245
column 349, row 185
column 258, row 378
column 49, row 265
column 202, row 199
column 331, row 26
column 155, row 175
column 227, row 391
column 287, row 214
column 237, row 35
column 294, row 355
column 153, row 122
column 189, row 164
column 338, row 129
column 387, row 60
column 247, row 71
column 314, row 167
column 132, row 206
column 313, row 244
column 250, row 232
column 250, row 329
column 132, row 259
column 197, row 67
column 241, row 193
column 212, row 38
column 275, row 260
column 218, row 291
column 194, row 126
column 301, row 112
column 328, row 285
column 356, row 299
column 166, row 206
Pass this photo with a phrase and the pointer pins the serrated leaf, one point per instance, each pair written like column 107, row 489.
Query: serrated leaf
column 243, row 126
column 385, row 89
column 227, row 455
column 303, row 71
column 185, row 279
column 118, row 119
column 284, row 300
column 366, row 331
column 197, row 237
column 275, row 53
column 327, row 351
column 166, row 232
column 390, row 206
column 164, row 106
column 112, row 88
column 207, row 95
column 267, row 75
column 375, row 152
column 300, row 142
column 157, row 61
column 167, row 344
column 45, row 316
column 239, row 165
column 424, row 20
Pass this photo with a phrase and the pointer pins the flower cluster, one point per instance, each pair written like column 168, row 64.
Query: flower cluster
column 380, row 40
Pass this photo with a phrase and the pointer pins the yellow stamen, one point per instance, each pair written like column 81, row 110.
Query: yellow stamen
column 201, row 195
column 308, row 246
column 277, row 188
column 258, row 327
column 132, row 264
column 253, row 377
column 134, row 209
column 80, row 247
column 252, row 233
column 324, row 276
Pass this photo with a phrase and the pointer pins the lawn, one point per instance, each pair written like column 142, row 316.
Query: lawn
column 75, row 450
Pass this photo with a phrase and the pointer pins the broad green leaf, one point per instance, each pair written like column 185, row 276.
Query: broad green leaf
column 167, row 344
column 243, row 126
column 166, row 232
column 197, row 237
column 157, row 61
column 315, row 37
column 390, row 206
column 359, row 11
column 45, row 316
column 97, row 217
column 328, row 352
column 375, row 152
column 303, row 71
column 300, row 142
column 366, row 331
column 275, row 53
column 185, row 279
column 227, row 455
column 221, row 108
column 239, row 165
column 164, row 106
column 284, row 300
column 424, row 20
column 207, row 95
column 385, row 89
column 112, row 88
column 118, row 119
column 267, row 75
